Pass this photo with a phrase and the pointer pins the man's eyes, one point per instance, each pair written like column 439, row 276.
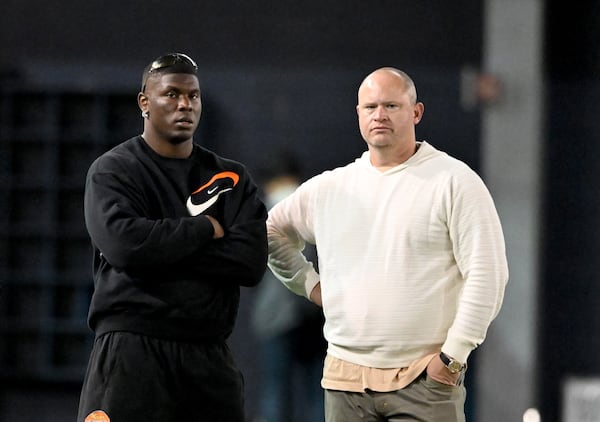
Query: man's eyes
column 387, row 106
column 174, row 94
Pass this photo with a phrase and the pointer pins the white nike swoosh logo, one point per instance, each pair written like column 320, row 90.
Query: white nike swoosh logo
column 197, row 209
column 210, row 191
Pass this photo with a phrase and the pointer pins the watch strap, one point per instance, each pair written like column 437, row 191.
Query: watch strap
column 453, row 365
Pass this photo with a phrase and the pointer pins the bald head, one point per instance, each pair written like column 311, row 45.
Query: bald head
column 388, row 112
column 391, row 73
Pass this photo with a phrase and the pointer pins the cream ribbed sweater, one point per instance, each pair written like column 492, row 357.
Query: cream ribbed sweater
column 410, row 260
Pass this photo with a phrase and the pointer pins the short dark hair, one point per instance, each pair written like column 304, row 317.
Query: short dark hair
column 169, row 63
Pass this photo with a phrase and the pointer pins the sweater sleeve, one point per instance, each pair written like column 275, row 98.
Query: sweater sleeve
column 288, row 230
column 241, row 255
column 479, row 251
column 119, row 227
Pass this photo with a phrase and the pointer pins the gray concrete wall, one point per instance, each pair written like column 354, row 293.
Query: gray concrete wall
column 511, row 165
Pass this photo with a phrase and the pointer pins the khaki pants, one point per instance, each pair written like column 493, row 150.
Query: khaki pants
column 424, row 400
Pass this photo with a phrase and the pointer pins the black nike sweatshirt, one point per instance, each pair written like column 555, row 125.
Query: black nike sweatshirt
column 157, row 269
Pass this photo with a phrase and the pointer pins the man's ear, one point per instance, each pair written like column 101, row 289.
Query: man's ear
column 418, row 112
column 142, row 100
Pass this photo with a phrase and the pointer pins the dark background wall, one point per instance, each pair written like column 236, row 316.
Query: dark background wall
column 235, row 32
column 284, row 75
column 569, row 286
column 290, row 64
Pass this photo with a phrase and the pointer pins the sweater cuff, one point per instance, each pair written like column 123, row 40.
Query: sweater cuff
column 457, row 350
column 312, row 279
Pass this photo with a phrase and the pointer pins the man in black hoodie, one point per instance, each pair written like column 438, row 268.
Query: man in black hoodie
column 176, row 230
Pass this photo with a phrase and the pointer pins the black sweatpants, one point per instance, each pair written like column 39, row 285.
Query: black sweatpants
column 131, row 377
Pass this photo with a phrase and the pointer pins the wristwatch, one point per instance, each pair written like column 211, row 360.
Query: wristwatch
column 453, row 366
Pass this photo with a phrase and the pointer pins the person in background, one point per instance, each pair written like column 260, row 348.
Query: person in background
column 412, row 264
column 289, row 328
column 176, row 230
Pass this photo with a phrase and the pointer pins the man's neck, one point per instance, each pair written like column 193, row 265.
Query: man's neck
column 384, row 159
column 169, row 149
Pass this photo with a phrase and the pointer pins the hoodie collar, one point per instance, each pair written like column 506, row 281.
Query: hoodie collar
column 424, row 152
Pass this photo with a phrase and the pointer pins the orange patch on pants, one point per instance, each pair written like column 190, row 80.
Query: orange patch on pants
column 97, row 416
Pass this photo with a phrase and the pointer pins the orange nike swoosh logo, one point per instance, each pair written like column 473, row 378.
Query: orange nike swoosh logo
column 209, row 192
column 233, row 176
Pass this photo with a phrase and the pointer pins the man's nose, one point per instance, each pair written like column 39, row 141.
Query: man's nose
column 380, row 113
column 185, row 102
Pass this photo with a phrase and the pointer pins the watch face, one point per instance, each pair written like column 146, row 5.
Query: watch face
column 454, row 366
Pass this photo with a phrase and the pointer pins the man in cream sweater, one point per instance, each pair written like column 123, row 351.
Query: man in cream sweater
column 412, row 265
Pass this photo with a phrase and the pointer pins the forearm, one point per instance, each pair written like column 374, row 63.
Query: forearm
column 119, row 227
column 479, row 303
column 479, row 251
column 482, row 261
column 289, row 265
column 240, row 256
